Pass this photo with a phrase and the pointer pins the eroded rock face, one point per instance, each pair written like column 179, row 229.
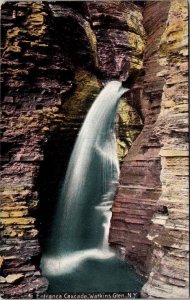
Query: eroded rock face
column 120, row 37
column 169, row 232
column 140, row 185
column 47, row 91
column 55, row 59
column 150, row 214
column 30, row 108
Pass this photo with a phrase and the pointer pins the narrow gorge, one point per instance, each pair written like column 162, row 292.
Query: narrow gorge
column 56, row 57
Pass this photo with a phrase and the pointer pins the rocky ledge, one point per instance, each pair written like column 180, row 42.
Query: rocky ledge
column 150, row 222
column 55, row 59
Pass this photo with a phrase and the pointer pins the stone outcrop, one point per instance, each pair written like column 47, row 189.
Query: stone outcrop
column 30, row 109
column 150, row 213
column 46, row 92
column 169, row 277
column 120, row 37
column 140, row 184
column 55, row 59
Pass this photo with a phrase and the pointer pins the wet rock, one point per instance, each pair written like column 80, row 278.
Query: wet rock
column 140, row 185
column 49, row 67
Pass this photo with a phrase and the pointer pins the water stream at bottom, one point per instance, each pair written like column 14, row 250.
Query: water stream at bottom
column 77, row 257
column 92, row 270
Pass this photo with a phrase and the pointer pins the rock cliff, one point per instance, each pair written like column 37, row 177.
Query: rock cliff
column 169, row 232
column 140, row 184
column 55, row 59
column 151, row 207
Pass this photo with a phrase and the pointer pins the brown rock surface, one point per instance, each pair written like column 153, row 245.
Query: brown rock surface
column 150, row 215
column 140, row 185
column 169, row 277
column 56, row 56
column 30, row 107
column 120, row 37
column 48, row 54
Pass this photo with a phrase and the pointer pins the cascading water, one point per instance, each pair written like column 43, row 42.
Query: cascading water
column 80, row 230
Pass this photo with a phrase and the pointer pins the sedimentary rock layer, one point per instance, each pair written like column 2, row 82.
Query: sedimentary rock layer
column 51, row 58
column 30, row 107
column 169, row 277
column 55, row 59
column 140, row 186
column 150, row 214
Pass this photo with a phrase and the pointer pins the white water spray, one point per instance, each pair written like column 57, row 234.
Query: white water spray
column 81, row 227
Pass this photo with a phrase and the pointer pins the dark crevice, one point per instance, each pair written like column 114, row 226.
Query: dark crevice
column 57, row 152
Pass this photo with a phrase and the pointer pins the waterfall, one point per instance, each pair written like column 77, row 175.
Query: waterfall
column 81, row 225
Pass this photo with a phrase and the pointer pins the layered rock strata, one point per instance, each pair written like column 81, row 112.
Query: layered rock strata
column 46, row 92
column 30, row 109
column 140, row 185
column 55, row 59
column 150, row 215
column 120, row 37
column 169, row 232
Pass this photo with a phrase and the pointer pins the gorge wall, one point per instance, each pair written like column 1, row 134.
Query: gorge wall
column 151, row 207
column 169, row 275
column 55, row 59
